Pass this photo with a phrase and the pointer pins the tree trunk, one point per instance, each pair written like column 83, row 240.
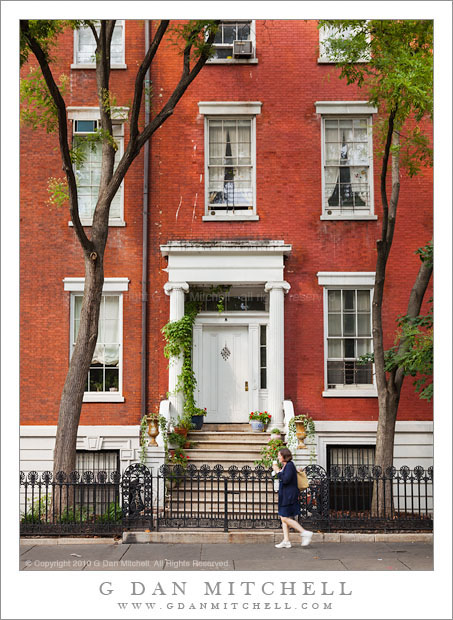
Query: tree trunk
column 74, row 386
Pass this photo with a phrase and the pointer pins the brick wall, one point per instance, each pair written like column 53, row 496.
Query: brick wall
column 287, row 80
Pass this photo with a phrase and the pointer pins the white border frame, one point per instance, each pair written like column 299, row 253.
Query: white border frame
column 112, row 286
column 92, row 65
column 331, row 280
column 330, row 110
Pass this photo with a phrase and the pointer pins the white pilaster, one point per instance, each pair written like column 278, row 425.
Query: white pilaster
column 175, row 290
column 276, row 349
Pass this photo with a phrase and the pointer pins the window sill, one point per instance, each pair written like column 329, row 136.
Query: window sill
column 327, row 61
column 112, row 223
column 230, row 218
column 338, row 218
column 232, row 61
column 103, row 397
column 358, row 393
column 93, row 66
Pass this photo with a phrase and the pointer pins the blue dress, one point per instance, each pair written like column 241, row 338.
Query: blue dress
column 288, row 493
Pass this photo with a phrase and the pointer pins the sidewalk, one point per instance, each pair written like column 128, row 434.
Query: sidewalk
column 105, row 555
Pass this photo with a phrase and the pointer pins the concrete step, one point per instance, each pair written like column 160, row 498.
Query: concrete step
column 226, row 445
column 229, row 437
column 211, row 427
column 247, row 453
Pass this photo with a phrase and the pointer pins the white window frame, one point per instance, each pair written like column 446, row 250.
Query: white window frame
column 325, row 34
column 237, row 61
column 92, row 65
column 345, row 110
column 230, row 110
column 329, row 280
column 119, row 116
column 112, row 286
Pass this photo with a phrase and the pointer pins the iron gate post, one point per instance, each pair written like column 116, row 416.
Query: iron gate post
column 225, row 518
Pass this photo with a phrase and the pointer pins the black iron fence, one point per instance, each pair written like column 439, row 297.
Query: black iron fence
column 361, row 498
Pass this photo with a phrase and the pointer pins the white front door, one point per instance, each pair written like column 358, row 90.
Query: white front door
column 224, row 380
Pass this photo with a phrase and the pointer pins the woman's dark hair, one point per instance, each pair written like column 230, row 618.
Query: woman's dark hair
column 286, row 454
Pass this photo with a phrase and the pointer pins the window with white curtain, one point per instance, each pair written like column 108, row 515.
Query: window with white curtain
column 105, row 373
column 230, row 165
column 88, row 173
column 347, row 155
column 85, row 47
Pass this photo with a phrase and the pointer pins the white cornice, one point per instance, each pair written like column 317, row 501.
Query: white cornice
column 346, row 278
column 229, row 107
column 345, row 107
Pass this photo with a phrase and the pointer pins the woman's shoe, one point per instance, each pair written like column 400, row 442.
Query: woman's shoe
column 306, row 537
column 285, row 544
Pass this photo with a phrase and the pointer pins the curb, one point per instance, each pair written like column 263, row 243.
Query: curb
column 238, row 537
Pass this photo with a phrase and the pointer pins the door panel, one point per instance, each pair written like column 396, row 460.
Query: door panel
column 224, row 372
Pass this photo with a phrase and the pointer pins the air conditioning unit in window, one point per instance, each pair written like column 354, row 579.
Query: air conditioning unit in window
column 242, row 49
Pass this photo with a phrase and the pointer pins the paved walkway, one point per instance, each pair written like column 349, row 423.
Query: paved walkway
column 319, row 556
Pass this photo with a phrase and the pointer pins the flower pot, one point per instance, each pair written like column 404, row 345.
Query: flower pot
column 197, row 422
column 257, row 426
column 275, row 436
column 301, row 433
column 180, row 430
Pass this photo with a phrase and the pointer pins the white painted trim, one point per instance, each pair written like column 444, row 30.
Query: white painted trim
column 103, row 397
column 230, row 218
column 111, row 285
column 119, row 223
column 92, row 66
column 228, row 108
column 232, row 61
column 210, row 247
column 345, row 107
column 92, row 113
column 348, row 393
column 352, row 218
column 346, row 278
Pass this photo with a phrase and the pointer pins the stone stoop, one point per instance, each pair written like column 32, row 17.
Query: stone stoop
column 226, row 444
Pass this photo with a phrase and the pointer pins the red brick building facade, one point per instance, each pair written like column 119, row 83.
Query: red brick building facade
column 242, row 180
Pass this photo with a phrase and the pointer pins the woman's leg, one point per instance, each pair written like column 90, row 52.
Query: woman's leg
column 285, row 529
column 292, row 523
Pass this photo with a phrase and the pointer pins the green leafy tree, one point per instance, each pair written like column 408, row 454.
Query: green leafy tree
column 397, row 76
column 44, row 105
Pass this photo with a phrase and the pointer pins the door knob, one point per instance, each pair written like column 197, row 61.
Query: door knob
column 246, row 386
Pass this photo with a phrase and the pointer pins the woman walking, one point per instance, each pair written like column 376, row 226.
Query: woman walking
column 288, row 499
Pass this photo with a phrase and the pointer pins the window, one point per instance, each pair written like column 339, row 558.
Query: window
column 85, row 47
column 103, row 497
column 234, row 42
column 347, row 495
column 329, row 32
column 230, row 162
column 347, row 157
column 347, row 316
column 263, row 357
column 86, row 122
column 104, row 380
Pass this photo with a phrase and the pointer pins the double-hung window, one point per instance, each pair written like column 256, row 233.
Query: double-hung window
column 85, row 47
column 104, row 380
column 347, row 332
column 329, row 32
column 347, row 160
column 87, row 140
column 230, row 168
column 234, row 42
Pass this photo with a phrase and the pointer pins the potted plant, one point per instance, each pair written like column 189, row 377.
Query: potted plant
column 177, row 457
column 198, row 418
column 300, row 427
column 259, row 420
column 269, row 453
column 276, row 434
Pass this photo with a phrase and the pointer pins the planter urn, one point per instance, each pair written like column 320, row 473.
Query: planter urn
column 257, row 426
column 153, row 430
column 197, row 422
column 301, row 433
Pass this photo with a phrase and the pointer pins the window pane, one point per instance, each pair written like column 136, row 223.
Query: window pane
column 334, row 326
column 349, row 324
column 229, row 33
column 263, row 334
column 349, row 348
column 243, row 32
column 348, row 300
column 263, row 377
column 363, row 301
column 363, row 325
column 96, row 380
column 111, row 380
column 334, row 301
column 335, row 373
column 334, row 348
column 262, row 356
column 363, row 347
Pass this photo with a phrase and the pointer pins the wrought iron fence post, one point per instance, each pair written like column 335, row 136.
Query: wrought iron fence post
column 225, row 517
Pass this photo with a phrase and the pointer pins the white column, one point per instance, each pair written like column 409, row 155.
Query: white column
column 176, row 291
column 276, row 350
